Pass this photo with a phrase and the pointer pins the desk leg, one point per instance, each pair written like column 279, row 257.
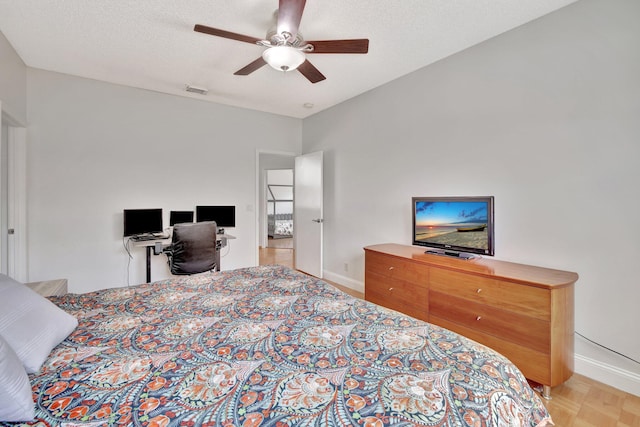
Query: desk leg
column 219, row 245
column 148, row 264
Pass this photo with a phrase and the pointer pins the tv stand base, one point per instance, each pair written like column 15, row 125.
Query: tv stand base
column 454, row 254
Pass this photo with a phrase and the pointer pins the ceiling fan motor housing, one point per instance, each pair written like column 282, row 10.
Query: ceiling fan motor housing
column 284, row 39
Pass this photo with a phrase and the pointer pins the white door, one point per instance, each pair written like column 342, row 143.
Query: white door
column 307, row 213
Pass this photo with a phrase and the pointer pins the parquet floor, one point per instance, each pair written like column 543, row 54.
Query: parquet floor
column 580, row 402
column 583, row 402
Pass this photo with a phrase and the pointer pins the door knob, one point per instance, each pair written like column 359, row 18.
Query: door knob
column 318, row 220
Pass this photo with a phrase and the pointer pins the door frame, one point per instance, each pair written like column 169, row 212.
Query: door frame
column 16, row 199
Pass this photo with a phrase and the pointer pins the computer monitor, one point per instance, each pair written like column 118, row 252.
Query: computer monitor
column 180, row 217
column 142, row 221
column 224, row 216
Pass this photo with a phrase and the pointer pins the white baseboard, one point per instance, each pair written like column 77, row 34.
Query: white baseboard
column 608, row 374
column 348, row 282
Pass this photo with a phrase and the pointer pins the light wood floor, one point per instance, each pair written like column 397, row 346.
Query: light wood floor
column 580, row 402
column 284, row 256
column 285, row 243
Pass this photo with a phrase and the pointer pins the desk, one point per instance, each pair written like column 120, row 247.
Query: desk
column 221, row 240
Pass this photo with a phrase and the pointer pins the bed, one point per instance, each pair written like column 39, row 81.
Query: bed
column 280, row 226
column 267, row 346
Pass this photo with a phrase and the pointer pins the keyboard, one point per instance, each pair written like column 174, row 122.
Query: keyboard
column 147, row 237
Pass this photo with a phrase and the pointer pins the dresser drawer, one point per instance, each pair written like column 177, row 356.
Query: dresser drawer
column 400, row 295
column 490, row 320
column 396, row 268
column 535, row 365
column 536, row 302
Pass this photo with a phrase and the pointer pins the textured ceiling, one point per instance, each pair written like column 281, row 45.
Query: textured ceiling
column 151, row 44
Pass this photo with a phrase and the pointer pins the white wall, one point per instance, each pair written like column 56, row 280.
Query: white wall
column 13, row 82
column 545, row 118
column 96, row 148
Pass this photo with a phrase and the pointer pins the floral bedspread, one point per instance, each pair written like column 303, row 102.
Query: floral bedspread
column 268, row 346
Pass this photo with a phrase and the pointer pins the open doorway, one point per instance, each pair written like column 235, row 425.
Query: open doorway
column 280, row 230
column 271, row 196
column 306, row 225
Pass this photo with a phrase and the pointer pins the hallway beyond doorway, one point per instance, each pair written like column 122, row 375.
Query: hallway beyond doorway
column 281, row 243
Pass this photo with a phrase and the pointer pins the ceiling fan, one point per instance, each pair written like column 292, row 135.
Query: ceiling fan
column 286, row 48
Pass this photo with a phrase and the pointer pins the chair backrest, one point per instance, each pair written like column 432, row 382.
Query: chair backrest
column 193, row 248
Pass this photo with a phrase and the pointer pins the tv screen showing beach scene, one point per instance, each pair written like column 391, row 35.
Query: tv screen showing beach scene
column 458, row 223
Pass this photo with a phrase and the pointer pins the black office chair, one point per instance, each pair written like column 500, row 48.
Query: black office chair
column 193, row 248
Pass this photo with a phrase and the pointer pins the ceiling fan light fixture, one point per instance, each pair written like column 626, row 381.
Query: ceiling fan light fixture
column 283, row 58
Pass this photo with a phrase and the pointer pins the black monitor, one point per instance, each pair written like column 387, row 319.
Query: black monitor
column 142, row 221
column 224, row 216
column 180, row 217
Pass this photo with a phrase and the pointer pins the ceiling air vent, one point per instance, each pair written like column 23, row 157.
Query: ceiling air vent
column 198, row 90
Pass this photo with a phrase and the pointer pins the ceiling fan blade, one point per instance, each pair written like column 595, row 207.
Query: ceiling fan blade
column 251, row 67
column 340, row 46
column 310, row 72
column 226, row 34
column 289, row 16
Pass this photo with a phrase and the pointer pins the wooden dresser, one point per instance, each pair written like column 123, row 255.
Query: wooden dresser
column 522, row 311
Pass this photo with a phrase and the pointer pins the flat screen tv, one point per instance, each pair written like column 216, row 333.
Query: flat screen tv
column 142, row 221
column 224, row 216
column 454, row 226
column 180, row 217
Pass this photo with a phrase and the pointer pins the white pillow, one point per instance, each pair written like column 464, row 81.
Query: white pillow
column 30, row 323
column 16, row 401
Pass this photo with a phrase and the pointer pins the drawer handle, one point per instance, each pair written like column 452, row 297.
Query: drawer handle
column 479, row 317
column 390, row 289
column 390, row 268
column 479, row 290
